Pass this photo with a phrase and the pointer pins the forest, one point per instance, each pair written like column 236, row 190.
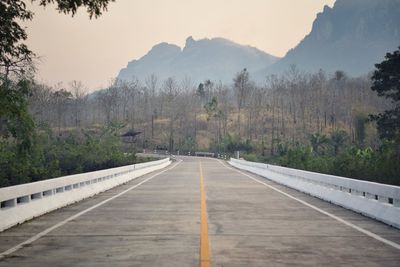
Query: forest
column 311, row 121
column 329, row 123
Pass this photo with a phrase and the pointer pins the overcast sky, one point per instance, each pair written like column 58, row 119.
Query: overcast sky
column 93, row 51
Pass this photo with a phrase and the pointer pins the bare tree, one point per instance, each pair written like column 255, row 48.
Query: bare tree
column 170, row 94
column 61, row 100
column 79, row 99
column 151, row 83
column 108, row 100
column 241, row 88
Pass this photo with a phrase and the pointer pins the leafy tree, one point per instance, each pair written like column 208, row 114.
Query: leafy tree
column 233, row 143
column 14, row 55
column 339, row 75
column 214, row 112
column 386, row 82
column 296, row 156
column 15, row 120
column 212, row 108
column 337, row 140
column 93, row 7
column 200, row 90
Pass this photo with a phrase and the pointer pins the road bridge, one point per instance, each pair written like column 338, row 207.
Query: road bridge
column 201, row 212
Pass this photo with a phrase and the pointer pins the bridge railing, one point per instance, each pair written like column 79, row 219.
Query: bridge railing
column 23, row 202
column 379, row 201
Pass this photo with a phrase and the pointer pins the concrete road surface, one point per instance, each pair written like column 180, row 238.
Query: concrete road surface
column 201, row 212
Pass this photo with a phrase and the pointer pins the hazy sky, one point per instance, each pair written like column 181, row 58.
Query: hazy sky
column 93, row 51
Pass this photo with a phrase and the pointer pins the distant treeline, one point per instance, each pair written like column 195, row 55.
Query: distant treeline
column 180, row 115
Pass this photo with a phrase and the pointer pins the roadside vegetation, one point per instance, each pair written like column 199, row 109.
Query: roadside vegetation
column 49, row 156
column 336, row 154
column 378, row 165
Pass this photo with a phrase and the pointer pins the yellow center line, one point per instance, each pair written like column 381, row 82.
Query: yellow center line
column 205, row 260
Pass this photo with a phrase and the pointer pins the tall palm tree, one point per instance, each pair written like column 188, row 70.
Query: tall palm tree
column 337, row 140
column 318, row 140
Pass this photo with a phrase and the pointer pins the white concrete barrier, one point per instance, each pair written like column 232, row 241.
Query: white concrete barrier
column 378, row 201
column 23, row 202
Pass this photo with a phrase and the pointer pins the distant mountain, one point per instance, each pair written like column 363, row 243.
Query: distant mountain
column 352, row 36
column 214, row 59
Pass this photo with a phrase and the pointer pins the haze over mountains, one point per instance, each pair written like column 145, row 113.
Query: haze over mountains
column 214, row 59
column 352, row 36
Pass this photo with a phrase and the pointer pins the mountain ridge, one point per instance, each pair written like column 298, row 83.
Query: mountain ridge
column 214, row 59
column 351, row 36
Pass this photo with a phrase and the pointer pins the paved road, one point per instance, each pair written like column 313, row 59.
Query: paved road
column 160, row 219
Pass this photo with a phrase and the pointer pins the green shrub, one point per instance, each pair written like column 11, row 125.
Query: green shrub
column 251, row 157
column 380, row 165
column 50, row 157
